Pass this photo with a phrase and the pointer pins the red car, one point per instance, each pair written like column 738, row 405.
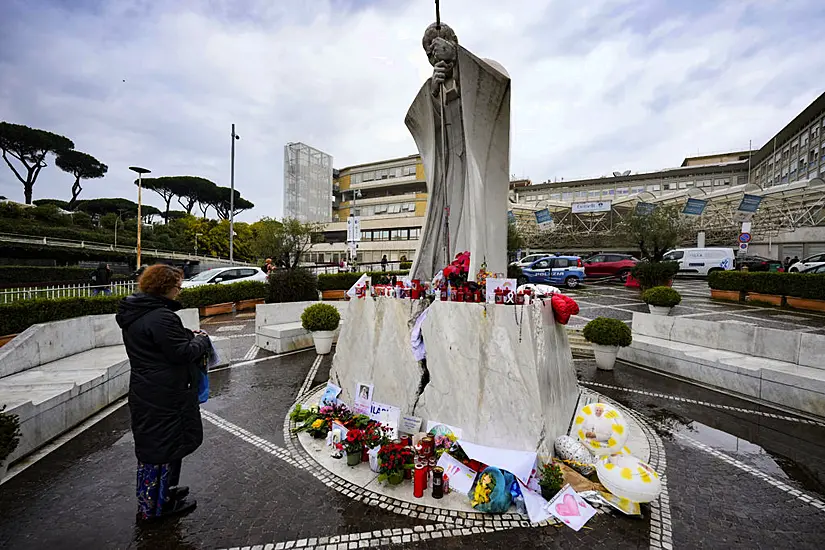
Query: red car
column 609, row 265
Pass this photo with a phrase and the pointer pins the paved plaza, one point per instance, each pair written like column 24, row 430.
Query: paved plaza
column 737, row 475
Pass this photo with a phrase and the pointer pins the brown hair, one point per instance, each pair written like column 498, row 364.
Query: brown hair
column 159, row 279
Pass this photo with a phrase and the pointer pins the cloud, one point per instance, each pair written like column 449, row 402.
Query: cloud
column 598, row 86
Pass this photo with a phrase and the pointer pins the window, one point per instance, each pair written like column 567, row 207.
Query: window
column 248, row 272
column 369, row 176
column 599, row 258
column 399, row 235
column 581, row 194
column 543, row 264
column 555, row 196
column 682, row 185
column 594, row 193
column 622, row 191
column 654, row 188
column 561, row 262
column 718, row 182
column 567, row 196
column 637, row 190
column 394, row 209
column 415, row 233
column 409, row 170
column 675, row 255
column 382, row 235
column 670, row 186
column 356, row 178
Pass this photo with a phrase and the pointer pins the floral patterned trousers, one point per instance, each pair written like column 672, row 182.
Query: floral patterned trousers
column 153, row 484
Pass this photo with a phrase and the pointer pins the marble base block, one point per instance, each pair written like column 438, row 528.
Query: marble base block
column 505, row 378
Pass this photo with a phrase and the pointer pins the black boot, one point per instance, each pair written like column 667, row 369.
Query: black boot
column 178, row 507
column 179, row 493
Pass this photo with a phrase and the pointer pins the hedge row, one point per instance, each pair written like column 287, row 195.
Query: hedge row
column 206, row 295
column 17, row 316
column 344, row 281
column 24, row 275
column 797, row 285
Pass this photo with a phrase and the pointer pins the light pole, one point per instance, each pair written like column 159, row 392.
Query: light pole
column 140, row 171
column 232, row 198
column 117, row 221
column 196, row 242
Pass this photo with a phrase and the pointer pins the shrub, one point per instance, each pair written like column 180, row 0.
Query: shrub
column 551, row 477
column 405, row 266
column 650, row 274
column 320, row 317
column 661, row 296
column 207, row 295
column 18, row 316
column 606, row 331
column 9, row 433
column 728, row 280
column 797, row 285
column 23, row 275
column 384, row 278
column 344, row 281
column 292, row 285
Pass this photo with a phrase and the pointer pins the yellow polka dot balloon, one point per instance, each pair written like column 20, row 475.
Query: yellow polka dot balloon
column 626, row 476
column 601, row 428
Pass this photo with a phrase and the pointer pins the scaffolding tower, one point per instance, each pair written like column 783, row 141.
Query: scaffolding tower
column 307, row 183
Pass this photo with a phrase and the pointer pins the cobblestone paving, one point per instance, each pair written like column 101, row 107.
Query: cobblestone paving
column 739, row 475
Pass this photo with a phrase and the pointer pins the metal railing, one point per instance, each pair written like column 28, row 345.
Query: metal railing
column 104, row 247
column 119, row 288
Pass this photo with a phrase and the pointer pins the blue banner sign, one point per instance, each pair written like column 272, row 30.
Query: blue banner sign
column 645, row 208
column 543, row 217
column 511, row 217
column 694, row 207
column 749, row 203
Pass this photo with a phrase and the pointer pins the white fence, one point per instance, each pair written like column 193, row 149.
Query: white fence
column 119, row 288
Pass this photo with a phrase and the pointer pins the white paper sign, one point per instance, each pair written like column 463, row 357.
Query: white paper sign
column 410, row 424
column 570, row 508
column 461, row 477
column 363, row 398
column 377, row 409
column 535, row 504
column 362, row 281
column 439, row 428
column 518, row 463
column 330, row 396
column 493, row 284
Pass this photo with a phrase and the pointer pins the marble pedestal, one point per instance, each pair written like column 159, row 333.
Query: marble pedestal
column 505, row 378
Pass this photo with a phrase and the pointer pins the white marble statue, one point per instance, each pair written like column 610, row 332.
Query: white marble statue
column 466, row 160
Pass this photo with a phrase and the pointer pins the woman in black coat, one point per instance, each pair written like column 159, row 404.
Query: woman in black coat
column 166, row 361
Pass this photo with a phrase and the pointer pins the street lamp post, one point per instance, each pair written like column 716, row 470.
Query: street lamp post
column 140, row 171
column 232, row 199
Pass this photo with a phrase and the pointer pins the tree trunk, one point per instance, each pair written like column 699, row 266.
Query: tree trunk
column 76, row 189
column 27, row 191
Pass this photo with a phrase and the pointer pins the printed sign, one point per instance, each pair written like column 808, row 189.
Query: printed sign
column 387, row 415
column 353, row 229
column 694, row 207
column 745, row 238
column 363, row 398
column 461, row 477
column 588, row 207
column 645, row 208
column 330, row 396
column 543, row 218
column 511, row 218
column 493, row 283
column 410, row 424
column 750, row 203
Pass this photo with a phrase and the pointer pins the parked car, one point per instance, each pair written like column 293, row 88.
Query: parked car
column 811, row 261
column 225, row 275
column 529, row 259
column 757, row 263
column 610, row 265
column 702, row 261
column 554, row 270
column 815, row 269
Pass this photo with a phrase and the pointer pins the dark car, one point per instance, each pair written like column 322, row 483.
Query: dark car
column 610, row 265
column 755, row 262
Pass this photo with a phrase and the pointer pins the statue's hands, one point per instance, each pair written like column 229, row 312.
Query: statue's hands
column 441, row 72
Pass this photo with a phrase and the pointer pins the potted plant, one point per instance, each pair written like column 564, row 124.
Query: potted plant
column 321, row 320
column 393, row 459
column 9, row 438
column 661, row 299
column 551, row 480
column 354, row 445
column 607, row 335
column 375, row 435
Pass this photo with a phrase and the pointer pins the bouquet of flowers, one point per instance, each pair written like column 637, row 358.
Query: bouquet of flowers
column 317, row 428
column 376, row 435
column 483, row 490
column 354, row 442
column 360, row 421
column 444, row 443
column 339, row 411
column 491, row 493
column 394, row 458
column 457, row 272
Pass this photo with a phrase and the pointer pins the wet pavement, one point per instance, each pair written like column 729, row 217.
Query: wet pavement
column 739, row 475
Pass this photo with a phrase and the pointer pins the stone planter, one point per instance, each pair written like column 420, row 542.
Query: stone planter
column 353, row 459
column 659, row 310
column 806, row 303
column 730, row 295
column 323, row 341
column 246, row 305
column 605, row 356
column 334, row 294
column 216, row 309
column 772, row 299
column 6, row 339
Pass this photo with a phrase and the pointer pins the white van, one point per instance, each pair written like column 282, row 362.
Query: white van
column 701, row 261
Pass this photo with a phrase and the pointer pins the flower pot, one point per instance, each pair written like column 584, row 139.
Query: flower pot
column 659, row 310
column 806, row 303
column 353, row 459
column 730, row 295
column 217, row 309
column 373, row 453
column 323, row 341
column 246, row 305
column 772, row 299
column 365, row 454
column 549, row 492
column 605, row 356
column 395, row 478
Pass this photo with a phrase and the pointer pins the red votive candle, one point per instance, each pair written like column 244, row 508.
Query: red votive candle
column 419, row 480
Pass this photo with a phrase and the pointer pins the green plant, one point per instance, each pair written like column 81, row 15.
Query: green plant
column 292, row 285
column 361, row 421
column 796, row 285
column 207, row 295
column 728, row 280
column 606, row 331
column 17, row 316
column 650, row 274
column 354, row 441
column 405, row 266
column 384, row 278
column 551, row 477
column 320, row 317
column 393, row 459
column 300, row 414
column 661, row 296
column 344, row 281
column 9, row 433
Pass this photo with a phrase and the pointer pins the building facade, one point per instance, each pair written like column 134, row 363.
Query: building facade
column 307, row 183
column 390, row 199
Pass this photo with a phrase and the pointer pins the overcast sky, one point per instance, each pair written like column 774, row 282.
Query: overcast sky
column 598, row 85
